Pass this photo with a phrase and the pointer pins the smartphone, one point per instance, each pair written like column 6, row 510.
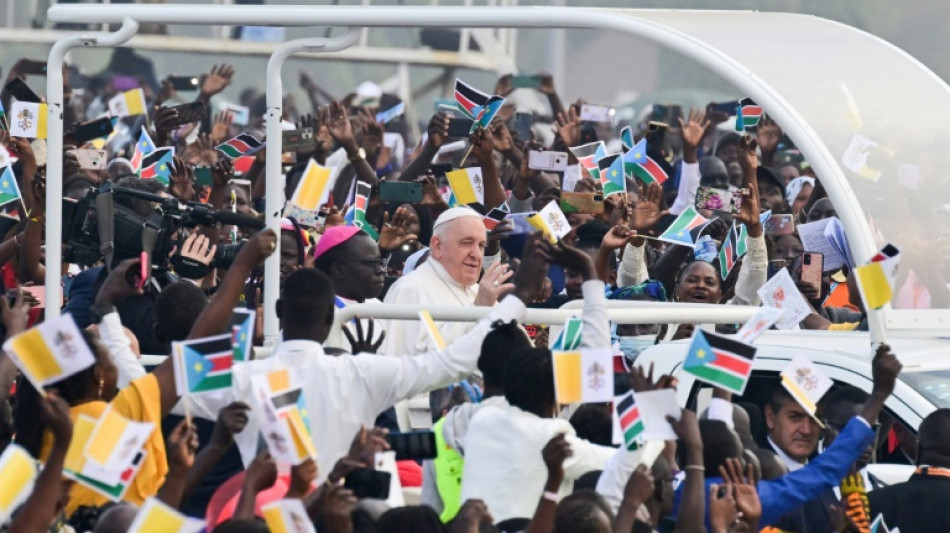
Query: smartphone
column 35, row 67
column 667, row 113
column 301, row 139
column 416, row 445
column 203, row 176
column 21, row 91
column 588, row 134
column 585, row 203
column 776, row 266
column 93, row 129
column 812, row 268
column 726, row 108
column 439, row 170
column 780, row 225
column 184, row 83
column 404, row 192
column 190, row 112
column 721, row 200
column 526, row 81
column 240, row 115
column 656, row 135
column 367, row 483
column 547, row 160
column 597, row 113
column 460, row 127
column 521, row 125
column 91, row 159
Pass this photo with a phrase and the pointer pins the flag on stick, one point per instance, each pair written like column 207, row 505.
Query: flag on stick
column 315, row 185
column 612, row 175
column 287, row 516
column 143, row 147
column 51, row 351
column 467, row 185
column 203, row 365
column 128, row 103
column 240, row 145
column 28, row 120
column 720, row 361
column 583, row 376
column 116, row 440
column 155, row 516
column 18, row 472
column 631, row 425
column 159, row 164
column 686, row 228
column 551, row 221
column 636, row 163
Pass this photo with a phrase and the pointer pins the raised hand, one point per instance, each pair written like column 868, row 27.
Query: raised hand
column 530, row 276
column 749, row 210
column 395, row 232
column 431, row 197
column 182, row 445
column 641, row 381
column 15, row 316
column 746, row 495
column 547, row 84
column 222, row 172
column 483, row 143
column 472, row 517
column 331, row 509
column 503, row 139
column 364, row 343
column 121, row 284
column 569, row 127
column 301, row 478
column 335, row 118
column 722, row 508
column 768, row 134
column 555, row 452
column 640, row 485
column 493, row 284
column 618, row 237
column 362, row 454
column 692, row 132
column 216, row 81
column 257, row 249
column 503, row 85
column 231, row 421
column 646, row 212
column 335, row 216
column 221, row 126
column 261, row 474
column 182, row 181
column 568, row 257
column 884, row 371
column 438, row 129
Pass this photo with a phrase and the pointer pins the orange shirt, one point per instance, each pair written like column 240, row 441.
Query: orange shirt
column 141, row 402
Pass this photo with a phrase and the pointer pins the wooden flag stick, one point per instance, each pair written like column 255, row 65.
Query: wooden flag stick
column 467, row 152
column 187, row 401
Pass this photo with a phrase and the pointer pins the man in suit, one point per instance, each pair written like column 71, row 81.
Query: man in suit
column 920, row 503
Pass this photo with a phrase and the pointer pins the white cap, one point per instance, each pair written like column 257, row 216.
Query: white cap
column 454, row 213
column 796, row 185
column 368, row 94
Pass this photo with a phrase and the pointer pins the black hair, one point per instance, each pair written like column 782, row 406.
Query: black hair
column 933, row 439
column 687, row 266
column 28, row 424
column 778, row 398
column 141, row 206
column 410, row 519
column 593, row 423
column 502, row 342
column 529, row 381
column 337, row 253
column 838, row 398
column 590, row 234
column 6, row 424
column 305, row 296
column 719, row 443
column 576, row 512
column 177, row 309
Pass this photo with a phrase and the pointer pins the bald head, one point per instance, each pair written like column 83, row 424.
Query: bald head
column 933, row 439
column 117, row 519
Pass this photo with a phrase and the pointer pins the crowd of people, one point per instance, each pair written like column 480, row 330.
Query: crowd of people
column 507, row 456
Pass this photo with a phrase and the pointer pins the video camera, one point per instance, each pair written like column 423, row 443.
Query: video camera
column 97, row 228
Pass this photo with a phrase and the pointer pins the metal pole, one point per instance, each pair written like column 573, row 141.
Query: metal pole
column 556, row 40
column 275, row 192
column 54, row 148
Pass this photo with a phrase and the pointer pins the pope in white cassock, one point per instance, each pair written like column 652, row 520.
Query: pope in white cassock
column 449, row 277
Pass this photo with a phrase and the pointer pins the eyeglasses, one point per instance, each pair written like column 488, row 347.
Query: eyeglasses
column 382, row 262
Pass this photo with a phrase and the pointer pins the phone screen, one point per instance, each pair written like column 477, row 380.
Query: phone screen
column 190, row 112
column 21, row 91
column 522, row 81
column 94, row 129
column 460, row 127
column 521, row 125
column 413, row 446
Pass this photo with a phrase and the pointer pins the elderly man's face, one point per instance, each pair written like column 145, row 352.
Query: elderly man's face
column 461, row 249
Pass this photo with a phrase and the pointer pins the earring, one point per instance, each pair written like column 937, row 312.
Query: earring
column 102, row 383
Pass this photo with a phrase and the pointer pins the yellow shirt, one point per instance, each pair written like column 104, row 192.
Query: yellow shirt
column 141, row 402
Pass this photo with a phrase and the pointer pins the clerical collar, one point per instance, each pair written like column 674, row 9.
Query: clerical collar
column 790, row 463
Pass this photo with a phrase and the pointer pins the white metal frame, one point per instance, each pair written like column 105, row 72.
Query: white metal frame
column 626, row 21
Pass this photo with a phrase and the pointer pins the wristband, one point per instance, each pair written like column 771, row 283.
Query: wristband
column 699, row 468
column 550, row 496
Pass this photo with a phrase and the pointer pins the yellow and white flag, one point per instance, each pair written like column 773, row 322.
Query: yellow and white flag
column 113, row 483
column 28, row 119
column 876, row 279
column 287, row 516
column 467, row 185
column 116, row 440
column 18, row 472
column 315, row 185
column 128, row 103
column 552, row 222
column 806, row 383
column 156, row 517
column 433, row 330
column 584, row 376
column 51, row 351
column 282, row 412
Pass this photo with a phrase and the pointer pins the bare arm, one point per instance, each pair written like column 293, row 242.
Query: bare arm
column 554, row 454
column 484, row 147
column 693, row 506
column 438, row 131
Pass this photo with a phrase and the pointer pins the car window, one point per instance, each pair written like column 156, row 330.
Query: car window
column 933, row 385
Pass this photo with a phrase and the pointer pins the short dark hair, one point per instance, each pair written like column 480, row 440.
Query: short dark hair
column 778, row 398
column 305, row 296
column 529, row 381
column 410, row 519
column 590, row 234
column 246, row 525
column 141, row 206
column 503, row 341
column 177, row 309
column 593, row 423
column 933, row 439
column 841, row 396
column 576, row 512
column 719, row 443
